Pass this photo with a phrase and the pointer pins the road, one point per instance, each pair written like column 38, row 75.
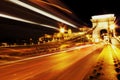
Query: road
column 89, row 62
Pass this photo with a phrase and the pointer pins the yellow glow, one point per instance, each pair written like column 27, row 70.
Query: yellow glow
column 107, row 57
column 107, row 54
column 42, row 12
column 62, row 30
column 81, row 33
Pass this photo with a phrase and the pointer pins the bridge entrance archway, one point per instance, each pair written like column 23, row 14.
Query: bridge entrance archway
column 103, row 32
column 102, row 25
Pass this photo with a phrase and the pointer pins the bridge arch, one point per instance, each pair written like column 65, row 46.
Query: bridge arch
column 103, row 32
column 102, row 24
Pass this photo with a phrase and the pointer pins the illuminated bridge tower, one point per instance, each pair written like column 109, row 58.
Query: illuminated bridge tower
column 103, row 27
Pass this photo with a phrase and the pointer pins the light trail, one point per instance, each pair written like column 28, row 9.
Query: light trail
column 42, row 12
column 26, row 21
column 48, row 3
column 67, row 50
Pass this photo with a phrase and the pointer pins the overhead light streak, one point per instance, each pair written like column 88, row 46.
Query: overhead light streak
column 26, row 21
column 51, row 4
column 42, row 12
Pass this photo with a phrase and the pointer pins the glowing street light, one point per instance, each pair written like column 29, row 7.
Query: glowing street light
column 62, row 30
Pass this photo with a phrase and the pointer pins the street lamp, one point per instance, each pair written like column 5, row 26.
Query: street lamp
column 62, row 30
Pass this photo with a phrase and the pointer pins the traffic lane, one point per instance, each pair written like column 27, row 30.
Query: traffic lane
column 76, row 71
column 30, row 68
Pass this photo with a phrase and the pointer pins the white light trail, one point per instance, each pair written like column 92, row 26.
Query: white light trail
column 26, row 21
column 42, row 12
column 30, row 58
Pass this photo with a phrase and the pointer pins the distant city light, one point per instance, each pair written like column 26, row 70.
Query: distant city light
column 62, row 30
column 42, row 12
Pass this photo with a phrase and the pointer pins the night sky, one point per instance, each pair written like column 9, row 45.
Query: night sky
column 86, row 8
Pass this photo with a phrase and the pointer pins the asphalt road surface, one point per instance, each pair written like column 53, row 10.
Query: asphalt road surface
column 88, row 62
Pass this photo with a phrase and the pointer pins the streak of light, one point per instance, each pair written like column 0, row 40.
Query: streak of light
column 70, row 49
column 26, row 21
column 41, row 12
column 53, row 5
